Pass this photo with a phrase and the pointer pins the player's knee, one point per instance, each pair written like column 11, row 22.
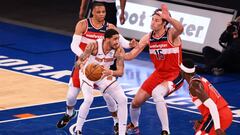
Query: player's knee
column 123, row 100
column 88, row 100
column 159, row 92
column 111, row 103
column 72, row 96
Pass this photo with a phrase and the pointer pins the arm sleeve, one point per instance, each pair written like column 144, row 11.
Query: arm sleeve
column 76, row 40
column 214, row 112
column 123, row 42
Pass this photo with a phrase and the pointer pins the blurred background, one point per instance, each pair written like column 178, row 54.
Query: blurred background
column 62, row 15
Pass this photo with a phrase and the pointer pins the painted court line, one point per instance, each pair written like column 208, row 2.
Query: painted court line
column 46, row 115
column 173, row 107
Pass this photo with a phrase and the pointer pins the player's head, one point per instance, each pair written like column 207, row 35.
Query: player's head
column 112, row 37
column 187, row 68
column 157, row 21
column 98, row 11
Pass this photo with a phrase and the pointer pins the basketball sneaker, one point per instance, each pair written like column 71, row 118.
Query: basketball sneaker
column 78, row 132
column 131, row 130
column 66, row 119
column 115, row 129
column 164, row 132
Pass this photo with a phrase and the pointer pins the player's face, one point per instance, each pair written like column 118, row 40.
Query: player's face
column 99, row 13
column 114, row 41
column 156, row 23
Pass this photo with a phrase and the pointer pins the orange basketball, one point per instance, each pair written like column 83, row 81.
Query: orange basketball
column 94, row 71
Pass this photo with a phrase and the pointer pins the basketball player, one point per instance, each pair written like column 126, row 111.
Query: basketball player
column 111, row 10
column 165, row 49
column 214, row 109
column 88, row 30
column 104, row 52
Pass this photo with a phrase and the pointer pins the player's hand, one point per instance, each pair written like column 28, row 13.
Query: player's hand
column 133, row 43
column 107, row 72
column 220, row 132
column 79, row 64
column 165, row 13
column 122, row 18
column 197, row 124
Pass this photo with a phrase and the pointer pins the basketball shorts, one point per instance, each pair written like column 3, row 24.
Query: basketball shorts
column 155, row 79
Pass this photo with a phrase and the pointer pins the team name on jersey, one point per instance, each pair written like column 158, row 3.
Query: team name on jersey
column 94, row 36
column 157, row 45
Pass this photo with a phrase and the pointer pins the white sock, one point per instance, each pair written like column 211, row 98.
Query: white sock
column 69, row 112
column 134, row 114
column 115, row 120
column 163, row 115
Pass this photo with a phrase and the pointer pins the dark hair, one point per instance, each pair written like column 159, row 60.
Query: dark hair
column 96, row 4
column 110, row 32
column 188, row 63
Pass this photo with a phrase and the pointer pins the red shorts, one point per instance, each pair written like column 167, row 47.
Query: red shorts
column 75, row 77
column 155, row 79
column 207, row 125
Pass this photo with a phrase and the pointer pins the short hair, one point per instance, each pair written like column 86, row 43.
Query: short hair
column 110, row 32
column 156, row 13
column 188, row 63
column 97, row 4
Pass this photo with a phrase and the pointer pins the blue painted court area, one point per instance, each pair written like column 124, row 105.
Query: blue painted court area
column 33, row 47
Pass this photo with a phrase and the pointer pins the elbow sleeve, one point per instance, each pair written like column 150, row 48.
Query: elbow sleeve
column 123, row 42
column 76, row 40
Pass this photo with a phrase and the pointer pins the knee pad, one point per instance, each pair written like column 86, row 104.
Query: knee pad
column 72, row 95
column 159, row 92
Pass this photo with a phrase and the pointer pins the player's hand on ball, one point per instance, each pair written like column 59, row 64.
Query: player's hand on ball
column 107, row 72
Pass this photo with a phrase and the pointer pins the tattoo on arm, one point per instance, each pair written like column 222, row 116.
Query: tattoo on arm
column 120, row 62
column 87, row 52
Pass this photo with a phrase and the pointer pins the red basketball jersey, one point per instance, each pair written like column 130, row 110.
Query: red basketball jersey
column 92, row 33
column 211, row 92
column 165, row 56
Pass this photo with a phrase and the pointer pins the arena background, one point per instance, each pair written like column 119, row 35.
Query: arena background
column 33, row 31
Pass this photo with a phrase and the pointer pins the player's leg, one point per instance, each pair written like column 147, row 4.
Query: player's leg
column 158, row 97
column 73, row 91
column 112, row 108
column 143, row 94
column 87, row 91
column 159, row 92
column 117, row 93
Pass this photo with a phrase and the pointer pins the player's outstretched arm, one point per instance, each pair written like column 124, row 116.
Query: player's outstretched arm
column 138, row 49
column 123, row 42
column 177, row 26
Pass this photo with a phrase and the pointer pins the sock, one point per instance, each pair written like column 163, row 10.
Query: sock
column 163, row 115
column 115, row 120
column 69, row 111
column 134, row 114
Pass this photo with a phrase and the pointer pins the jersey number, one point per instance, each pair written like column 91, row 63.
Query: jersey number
column 159, row 54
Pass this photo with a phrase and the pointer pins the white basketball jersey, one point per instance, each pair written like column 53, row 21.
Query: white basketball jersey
column 101, row 58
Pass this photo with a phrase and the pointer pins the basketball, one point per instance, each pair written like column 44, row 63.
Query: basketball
column 94, row 71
